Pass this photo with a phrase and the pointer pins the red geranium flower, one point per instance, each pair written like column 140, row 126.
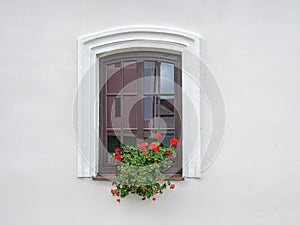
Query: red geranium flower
column 113, row 191
column 143, row 145
column 172, row 186
column 174, row 142
column 118, row 200
column 154, row 147
column 168, row 153
column 158, row 135
column 118, row 157
column 117, row 150
column 145, row 153
column 153, row 199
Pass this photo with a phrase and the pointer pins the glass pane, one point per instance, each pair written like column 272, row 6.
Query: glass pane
column 130, row 138
column 151, row 112
column 130, row 111
column 130, row 77
column 166, row 78
column 149, row 136
column 167, row 136
column 114, row 78
column 113, row 112
column 113, row 140
column 167, row 112
column 150, row 77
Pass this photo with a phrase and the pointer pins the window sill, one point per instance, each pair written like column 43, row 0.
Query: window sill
column 176, row 177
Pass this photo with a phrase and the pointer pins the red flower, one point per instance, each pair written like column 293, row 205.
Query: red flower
column 154, row 147
column 158, row 135
column 117, row 150
column 143, row 145
column 168, row 153
column 118, row 200
column 172, row 186
column 118, row 157
column 174, row 142
column 113, row 191
column 156, row 191
column 153, row 199
column 145, row 153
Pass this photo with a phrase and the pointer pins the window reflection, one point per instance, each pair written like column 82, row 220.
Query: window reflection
column 150, row 112
column 129, row 138
column 130, row 77
column 113, row 111
column 150, row 77
column 113, row 141
column 167, row 112
column 130, row 112
column 167, row 137
column 114, row 78
column 166, row 78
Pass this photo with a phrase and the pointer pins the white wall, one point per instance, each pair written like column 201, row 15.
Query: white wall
column 253, row 49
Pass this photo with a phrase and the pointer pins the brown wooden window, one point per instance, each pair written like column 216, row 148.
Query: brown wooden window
column 140, row 95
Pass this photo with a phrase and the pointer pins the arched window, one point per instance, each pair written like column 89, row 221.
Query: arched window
column 140, row 95
column 160, row 61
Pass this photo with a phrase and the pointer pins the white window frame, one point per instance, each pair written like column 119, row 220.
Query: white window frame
column 125, row 39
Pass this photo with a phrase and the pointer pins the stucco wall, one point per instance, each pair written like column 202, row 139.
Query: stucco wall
column 252, row 48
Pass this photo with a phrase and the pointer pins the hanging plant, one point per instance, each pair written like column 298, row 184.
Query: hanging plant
column 140, row 169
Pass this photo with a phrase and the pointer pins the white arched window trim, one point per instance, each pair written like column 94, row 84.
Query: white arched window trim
column 93, row 46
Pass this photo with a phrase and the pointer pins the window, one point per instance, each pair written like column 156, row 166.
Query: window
column 167, row 43
column 140, row 95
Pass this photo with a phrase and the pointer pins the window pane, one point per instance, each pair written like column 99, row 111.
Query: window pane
column 149, row 136
column 150, row 77
column 167, row 136
column 166, row 78
column 114, row 78
column 130, row 138
column 113, row 140
column 113, row 112
column 151, row 112
column 130, row 112
column 130, row 77
column 167, row 112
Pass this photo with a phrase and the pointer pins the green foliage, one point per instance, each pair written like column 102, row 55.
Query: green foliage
column 140, row 169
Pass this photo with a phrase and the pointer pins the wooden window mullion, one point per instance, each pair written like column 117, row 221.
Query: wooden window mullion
column 140, row 104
